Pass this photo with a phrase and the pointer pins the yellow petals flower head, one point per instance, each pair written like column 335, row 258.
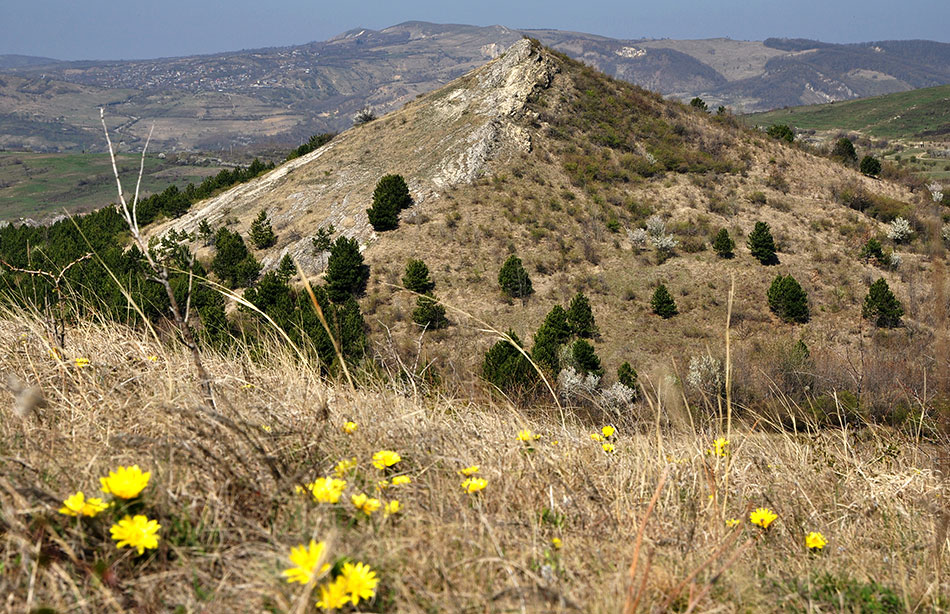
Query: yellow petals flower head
column 815, row 541
column 152, row 358
column 265, row 428
column 125, row 482
column 344, row 466
column 608, row 430
column 393, row 507
column 472, row 485
column 138, row 532
column 382, row 485
column 79, row 505
column 763, row 517
column 349, row 427
column 732, row 522
column 385, row 458
column 608, row 447
column 556, row 542
column 327, row 490
column 307, row 559
column 401, row 480
column 333, row 594
column 82, row 362
column 596, row 436
column 365, row 503
column 721, row 446
column 527, row 436
column 360, row 581
column 469, row 471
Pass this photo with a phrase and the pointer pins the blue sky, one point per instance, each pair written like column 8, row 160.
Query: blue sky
column 107, row 29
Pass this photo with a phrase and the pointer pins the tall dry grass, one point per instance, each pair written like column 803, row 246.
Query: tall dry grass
column 223, row 489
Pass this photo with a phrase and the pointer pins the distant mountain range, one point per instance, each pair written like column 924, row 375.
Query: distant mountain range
column 282, row 95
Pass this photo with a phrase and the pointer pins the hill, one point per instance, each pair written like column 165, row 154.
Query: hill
column 540, row 156
column 923, row 114
column 280, row 96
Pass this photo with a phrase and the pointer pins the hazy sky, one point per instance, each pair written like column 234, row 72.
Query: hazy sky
column 107, row 29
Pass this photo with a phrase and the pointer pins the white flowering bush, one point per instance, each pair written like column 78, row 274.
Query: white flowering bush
column 705, row 374
column 650, row 158
column 656, row 227
column 894, row 260
column 936, row 191
column 573, row 385
column 899, row 230
column 638, row 238
column 617, row 397
column 665, row 243
column 656, row 231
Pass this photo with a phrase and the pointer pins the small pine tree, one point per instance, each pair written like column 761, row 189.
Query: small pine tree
column 662, row 303
column 762, row 245
column 844, row 151
column 781, row 132
column 873, row 249
column 286, row 269
column 723, row 244
column 513, row 279
column 205, row 233
column 417, row 277
column 262, row 235
column 346, row 274
column 586, row 358
column 552, row 334
column 507, row 368
column 232, row 262
column 627, row 376
column 581, row 318
column 870, row 166
column 324, row 239
column 882, row 306
column 429, row 313
column 788, row 300
column 389, row 198
column 699, row 103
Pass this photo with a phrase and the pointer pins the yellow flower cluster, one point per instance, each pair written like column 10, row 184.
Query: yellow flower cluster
column 763, row 517
column 307, row 560
column 125, row 482
column 349, row 427
column 325, row 490
column 815, row 541
column 527, row 436
column 385, row 458
column 82, row 363
column 469, row 471
column 720, row 447
column 473, row 485
column 401, row 480
column 138, row 532
column 367, row 504
column 355, row 581
column 78, row 505
column 344, row 466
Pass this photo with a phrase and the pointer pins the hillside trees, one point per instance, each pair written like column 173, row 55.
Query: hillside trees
column 428, row 311
column 346, row 274
column 881, row 306
column 389, row 198
column 662, row 303
column 233, row 263
column 762, row 245
column 781, row 132
column 788, row 300
column 581, row 318
column 506, row 367
column 723, row 244
column 513, row 279
column 870, row 166
column 844, row 152
column 261, row 233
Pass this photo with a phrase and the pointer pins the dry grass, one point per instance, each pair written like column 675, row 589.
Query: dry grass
column 223, row 489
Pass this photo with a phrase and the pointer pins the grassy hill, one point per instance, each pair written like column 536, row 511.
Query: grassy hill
column 922, row 114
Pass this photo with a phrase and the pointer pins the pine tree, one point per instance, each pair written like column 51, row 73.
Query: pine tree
column 389, row 198
column 882, row 306
column 514, row 279
column 586, row 358
column 844, row 151
column 205, row 233
column 873, row 249
column 627, row 376
column 262, row 235
column 552, row 334
column 662, row 303
column 346, row 274
column 581, row 318
column 417, row 277
column 788, row 300
column 870, row 166
column 232, row 262
column 429, row 313
column 286, row 269
column 762, row 245
column 507, row 368
column 723, row 244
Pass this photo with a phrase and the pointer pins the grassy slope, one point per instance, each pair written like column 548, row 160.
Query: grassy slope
column 900, row 115
column 34, row 185
column 222, row 488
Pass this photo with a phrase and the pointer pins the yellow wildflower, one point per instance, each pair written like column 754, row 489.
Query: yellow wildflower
column 82, row 362
column 596, row 436
column 469, row 471
column 333, row 595
column 608, row 430
column 385, row 458
column 393, row 507
column 344, row 466
column 327, row 490
column 360, row 581
column 763, row 517
column 472, row 485
column 732, row 522
column 125, row 482
column 79, row 505
column 349, row 427
column 382, row 485
column 365, row 503
column 55, row 354
column 608, row 447
column 401, row 480
column 556, row 542
column 307, row 560
column 152, row 358
column 265, row 428
column 815, row 541
column 138, row 532
column 527, row 436
column 721, row 446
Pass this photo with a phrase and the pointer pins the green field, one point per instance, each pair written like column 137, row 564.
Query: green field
column 37, row 185
column 922, row 114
